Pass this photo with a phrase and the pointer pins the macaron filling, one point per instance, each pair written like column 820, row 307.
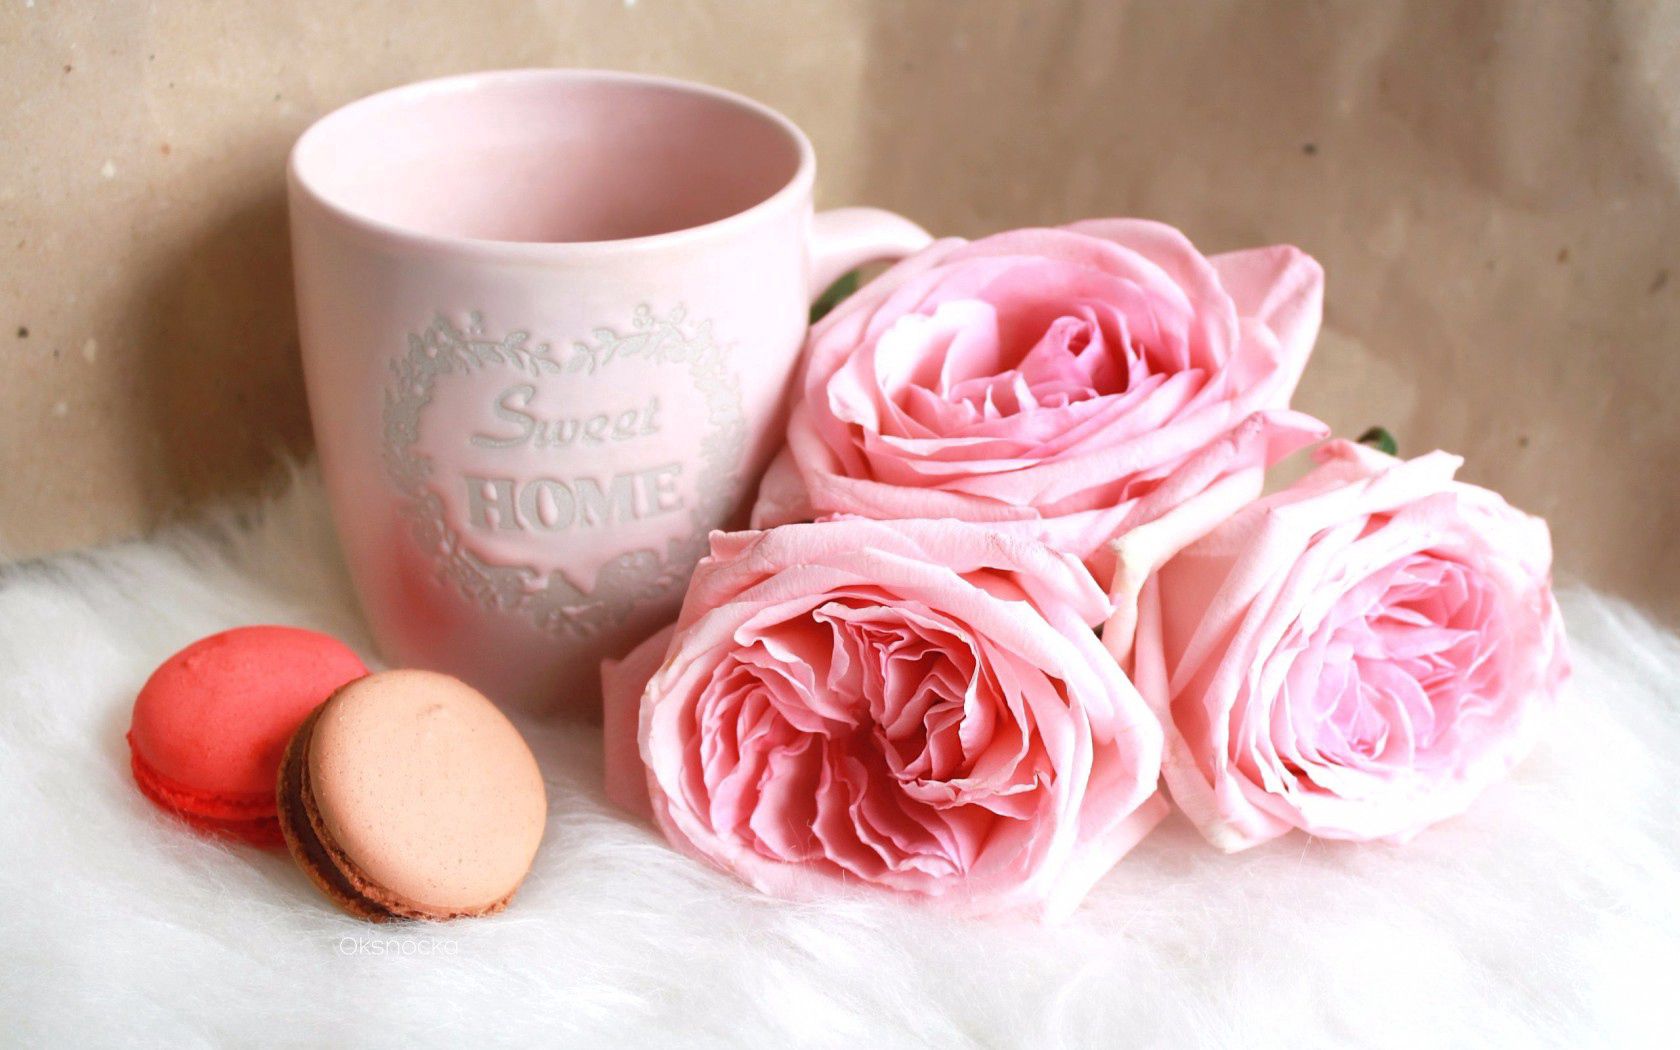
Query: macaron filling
column 250, row 817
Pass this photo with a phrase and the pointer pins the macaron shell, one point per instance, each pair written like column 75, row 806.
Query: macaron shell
column 244, row 817
column 215, row 717
column 428, row 790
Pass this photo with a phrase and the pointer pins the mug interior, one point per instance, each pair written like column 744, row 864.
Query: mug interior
column 549, row 156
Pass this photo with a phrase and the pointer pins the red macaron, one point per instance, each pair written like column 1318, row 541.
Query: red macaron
column 211, row 724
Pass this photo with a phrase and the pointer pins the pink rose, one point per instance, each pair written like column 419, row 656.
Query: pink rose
column 1073, row 382
column 917, row 705
column 1358, row 656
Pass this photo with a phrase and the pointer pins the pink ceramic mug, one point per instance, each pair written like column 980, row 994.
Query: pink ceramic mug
column 549, row 320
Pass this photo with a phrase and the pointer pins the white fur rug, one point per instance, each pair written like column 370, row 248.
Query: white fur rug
column 1550, row 914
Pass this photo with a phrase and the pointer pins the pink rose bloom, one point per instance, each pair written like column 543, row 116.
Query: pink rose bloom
column 921, row 706
column 1357, row 656
column 1073, row 382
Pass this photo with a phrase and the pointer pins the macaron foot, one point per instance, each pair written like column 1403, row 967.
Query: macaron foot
column 247, row 819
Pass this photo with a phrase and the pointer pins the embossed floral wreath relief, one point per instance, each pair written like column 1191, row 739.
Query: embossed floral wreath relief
column 551, row 600
column 1013, row 590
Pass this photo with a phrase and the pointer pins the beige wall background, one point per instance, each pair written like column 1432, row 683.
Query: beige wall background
column 1494, row 189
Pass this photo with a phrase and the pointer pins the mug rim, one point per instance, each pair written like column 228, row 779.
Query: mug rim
column 798, row 185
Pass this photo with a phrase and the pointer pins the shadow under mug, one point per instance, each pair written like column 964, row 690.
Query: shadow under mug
column 549, row 320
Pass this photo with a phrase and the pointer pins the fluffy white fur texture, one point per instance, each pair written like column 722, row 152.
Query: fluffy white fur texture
column 1549, row 915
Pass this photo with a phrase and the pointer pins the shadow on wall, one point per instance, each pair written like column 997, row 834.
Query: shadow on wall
column 1486, row 186
column 223, row 384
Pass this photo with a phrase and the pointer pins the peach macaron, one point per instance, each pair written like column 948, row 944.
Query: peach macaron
column 408, row 795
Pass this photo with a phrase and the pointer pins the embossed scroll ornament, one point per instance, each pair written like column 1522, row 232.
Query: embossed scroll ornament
column 550, row 599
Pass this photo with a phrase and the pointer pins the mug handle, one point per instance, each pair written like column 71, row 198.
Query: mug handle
column 846, row 238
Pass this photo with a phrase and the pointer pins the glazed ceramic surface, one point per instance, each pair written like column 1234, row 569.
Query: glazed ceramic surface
column 549, row 320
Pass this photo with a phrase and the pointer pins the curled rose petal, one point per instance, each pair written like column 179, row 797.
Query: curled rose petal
column 920, row 706
column 1358, row 656
column 1062, row 383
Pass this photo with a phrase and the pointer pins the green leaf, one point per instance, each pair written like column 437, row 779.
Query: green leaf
column 1380, row 439
column 837, row 291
